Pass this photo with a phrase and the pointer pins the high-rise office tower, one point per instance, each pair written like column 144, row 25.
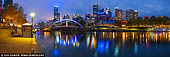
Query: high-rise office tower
column 88, row 18
column 102, row 15
column 56, row 13
column 77, row 17
column 131, row 14
column 7, row 3
column 95, row 10
column 108, row 13
column 66, row 16
column 136, row 14
column 116, row 11
column 120, row 14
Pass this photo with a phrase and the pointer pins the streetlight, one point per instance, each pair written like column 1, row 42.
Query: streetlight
column 32, row 16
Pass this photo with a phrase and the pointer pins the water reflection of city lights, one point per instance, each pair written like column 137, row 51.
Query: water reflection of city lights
column 95, row 34
column 93, row 42
column 147, row 44
column 113, row 35
column 37, row 34
column 123, row 37
column 101, row 46
column 112, row 41
column 66, row 42
column 136, row 48
column 46, row 34
column 55, row 52
column 116, row 50
column 103, row 33
column 88, row 40
column 133, row 35
column 107, row 46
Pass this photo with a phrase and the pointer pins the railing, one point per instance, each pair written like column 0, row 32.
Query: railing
column 66, row 22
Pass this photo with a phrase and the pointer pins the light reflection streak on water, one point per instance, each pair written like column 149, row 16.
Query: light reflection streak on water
column 169, row 35
column 123, row 37
column 56, row 52
column 88, row 40
column 166, row 35
column 147, row 44
column 45, row 34
column 163, row 35
column 52, row 36
column 152, row 35
column 37, row 34
column 156, row 37
column 103, row 33
column 66, row 37
column 57, row 38
column 116, row 50
column 107, row 46
column 101, row 46
column 95, row 34
column 133, row 35
column 93, row 42
column 136, row 48
column 90, row 44
column 113, row 35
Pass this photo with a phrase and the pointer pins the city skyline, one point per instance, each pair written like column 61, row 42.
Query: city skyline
column 84, row 28
column 145, row 7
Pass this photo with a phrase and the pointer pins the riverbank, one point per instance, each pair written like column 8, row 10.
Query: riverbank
column 5, row 33
column 10, row 44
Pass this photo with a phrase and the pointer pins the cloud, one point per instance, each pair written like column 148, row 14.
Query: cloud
column 44, row 8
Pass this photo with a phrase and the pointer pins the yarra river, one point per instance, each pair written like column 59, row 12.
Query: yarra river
column 104, row 44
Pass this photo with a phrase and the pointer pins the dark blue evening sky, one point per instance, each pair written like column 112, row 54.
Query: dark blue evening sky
column 44, row 8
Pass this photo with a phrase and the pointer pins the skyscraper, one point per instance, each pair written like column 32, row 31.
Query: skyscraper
column 136, row 14
column 87, row 16
column 131, row 14
column 95, row 11
column 7, row 3
column 56, row 13
column 66, row 16
column 108, row 13
column 118, row 13
column 77, row 17
column 88, row 19
column 102, row 15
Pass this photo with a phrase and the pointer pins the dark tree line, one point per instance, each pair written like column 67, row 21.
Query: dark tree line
column 151, row 21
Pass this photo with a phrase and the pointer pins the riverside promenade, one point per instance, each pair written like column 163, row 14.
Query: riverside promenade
column 10, row 44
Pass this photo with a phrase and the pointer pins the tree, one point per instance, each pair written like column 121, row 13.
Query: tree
column 15, row 13
column 82, row 22
column 118, row 23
